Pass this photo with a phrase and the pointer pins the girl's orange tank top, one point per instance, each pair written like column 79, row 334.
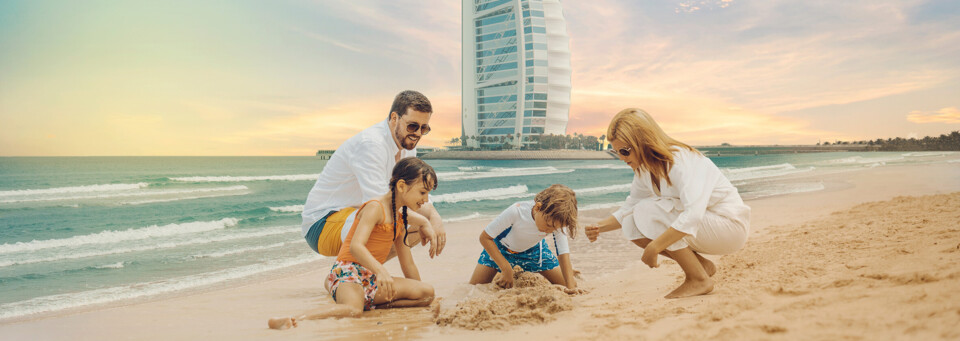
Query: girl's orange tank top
column 380, row 241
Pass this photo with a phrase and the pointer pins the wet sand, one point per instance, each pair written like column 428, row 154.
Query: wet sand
column 874, row 255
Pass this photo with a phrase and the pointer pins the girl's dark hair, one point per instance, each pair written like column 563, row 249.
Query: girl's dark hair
column 410, row 170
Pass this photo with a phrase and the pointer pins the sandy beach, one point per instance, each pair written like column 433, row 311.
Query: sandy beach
column 875, row 255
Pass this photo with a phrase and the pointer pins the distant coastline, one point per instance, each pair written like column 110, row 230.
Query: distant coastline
column 779, row 149
column 553, row 154
column 575, row 154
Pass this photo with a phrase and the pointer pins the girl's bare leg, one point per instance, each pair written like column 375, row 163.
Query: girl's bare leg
column 708, row 265
column 350, row 301
column 483, row 274
column 410, row 293
column 697, row 282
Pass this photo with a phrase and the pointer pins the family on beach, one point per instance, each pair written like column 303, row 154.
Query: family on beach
column 371, row 204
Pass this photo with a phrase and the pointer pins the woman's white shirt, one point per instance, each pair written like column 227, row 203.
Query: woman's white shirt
column 697, row 185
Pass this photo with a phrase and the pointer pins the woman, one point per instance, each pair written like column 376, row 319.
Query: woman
column 680, row 204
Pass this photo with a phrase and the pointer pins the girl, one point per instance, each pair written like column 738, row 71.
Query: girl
column 680, row 205
column 358, row 280
column 520, row 231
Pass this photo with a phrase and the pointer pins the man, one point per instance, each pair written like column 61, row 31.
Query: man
column 360, row 170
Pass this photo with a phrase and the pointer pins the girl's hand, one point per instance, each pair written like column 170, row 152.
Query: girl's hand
column 592, row 232
column 650, row 256
column 385, row 284
column 506, row 279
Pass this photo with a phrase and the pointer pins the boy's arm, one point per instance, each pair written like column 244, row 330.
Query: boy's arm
column 566, row 268
column 406, row 260
column 506, row 269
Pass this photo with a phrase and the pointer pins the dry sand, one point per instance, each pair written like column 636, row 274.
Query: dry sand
column 873, row 256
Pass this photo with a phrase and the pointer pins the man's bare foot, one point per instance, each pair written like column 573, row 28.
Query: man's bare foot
column 692, row 288
column 708, row 265
column 281, row 323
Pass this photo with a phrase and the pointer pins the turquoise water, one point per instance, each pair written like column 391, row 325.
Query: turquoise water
column 81, row 231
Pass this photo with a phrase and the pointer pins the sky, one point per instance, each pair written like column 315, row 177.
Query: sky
column 132, row 78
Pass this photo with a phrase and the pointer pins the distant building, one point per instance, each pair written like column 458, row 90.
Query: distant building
column 516, row 71
column 325, row 154
column 424, row 149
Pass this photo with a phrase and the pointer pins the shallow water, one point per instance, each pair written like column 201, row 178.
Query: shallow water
column 85, row 231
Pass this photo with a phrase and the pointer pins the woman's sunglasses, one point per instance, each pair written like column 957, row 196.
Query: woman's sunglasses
column 412, row 127
column 624, row 151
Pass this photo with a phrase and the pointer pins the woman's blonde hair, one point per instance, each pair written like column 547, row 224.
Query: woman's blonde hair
column 558, row 203
column 635, row 128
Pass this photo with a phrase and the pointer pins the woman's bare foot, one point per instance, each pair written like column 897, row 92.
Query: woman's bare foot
column 708, row 265
column 692, row 288
column 281, row 323
column 434, row 307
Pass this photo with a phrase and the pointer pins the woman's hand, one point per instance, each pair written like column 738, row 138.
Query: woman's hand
column 592, row 232
column 386, row 285
column 506, row 278
column 650, row 257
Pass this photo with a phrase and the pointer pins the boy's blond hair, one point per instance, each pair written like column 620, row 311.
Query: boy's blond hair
column 558, row 203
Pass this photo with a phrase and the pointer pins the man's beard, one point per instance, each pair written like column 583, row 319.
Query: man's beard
column 404, row 142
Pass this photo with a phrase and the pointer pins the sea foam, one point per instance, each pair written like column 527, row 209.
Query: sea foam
column 139, row 290
column 288, row 209
column 751, row 173
column 499, row 173
column 62, row 255
column 517, row 191
column 603, row 190
column 227, row 178
column 111, row 195
column 111, row 236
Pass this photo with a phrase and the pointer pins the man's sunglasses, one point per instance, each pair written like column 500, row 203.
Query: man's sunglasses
column 624, row 151
column 412, row 127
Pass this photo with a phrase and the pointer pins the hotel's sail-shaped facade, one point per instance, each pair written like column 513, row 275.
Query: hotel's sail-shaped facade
column 516, row 71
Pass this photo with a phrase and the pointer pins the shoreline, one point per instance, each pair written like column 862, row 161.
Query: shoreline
column 238, row 309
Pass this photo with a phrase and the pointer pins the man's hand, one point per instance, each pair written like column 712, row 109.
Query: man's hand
column 427, row 235
column 441, row 239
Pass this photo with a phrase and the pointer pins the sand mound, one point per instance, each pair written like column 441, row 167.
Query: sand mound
column 532, row 300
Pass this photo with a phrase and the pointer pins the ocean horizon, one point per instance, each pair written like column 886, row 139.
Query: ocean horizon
column 83, row 231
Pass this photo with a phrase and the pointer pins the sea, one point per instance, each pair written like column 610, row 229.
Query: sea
column 81, row 232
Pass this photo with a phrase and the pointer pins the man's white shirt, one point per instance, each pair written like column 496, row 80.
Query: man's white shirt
column 358, row 171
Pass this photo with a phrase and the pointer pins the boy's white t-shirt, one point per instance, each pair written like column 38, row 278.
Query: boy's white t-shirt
column 524, row 234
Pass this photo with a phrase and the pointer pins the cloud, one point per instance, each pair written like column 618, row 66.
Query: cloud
column 945, row 115
column 769, row 59
column 699, row 121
